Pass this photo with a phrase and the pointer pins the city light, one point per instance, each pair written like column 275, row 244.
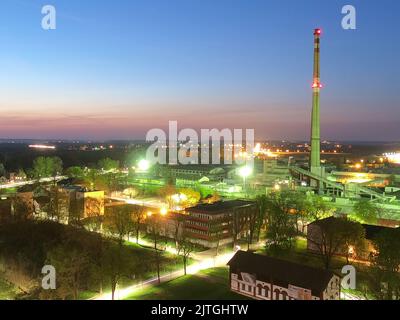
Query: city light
column 393, row 157
column 41, row 146
column 144, row 165
column 163, row 211
column 245, row 171
column 178, row 198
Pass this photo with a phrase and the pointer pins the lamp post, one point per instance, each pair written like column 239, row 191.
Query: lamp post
column 143, row 165
column 163, row 211
column 244, row 172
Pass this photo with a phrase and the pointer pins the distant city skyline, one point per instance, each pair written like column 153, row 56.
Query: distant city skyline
column 116, row 69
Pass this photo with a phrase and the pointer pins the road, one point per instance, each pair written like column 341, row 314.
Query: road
column 151, row 202
column 28, row 182
column 123, row 293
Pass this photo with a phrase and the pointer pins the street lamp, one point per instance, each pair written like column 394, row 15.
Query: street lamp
column 144, row 165
column 163, row 211
column 244, row 172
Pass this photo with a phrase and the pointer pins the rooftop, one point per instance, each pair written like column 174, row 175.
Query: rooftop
column 220, row 206
column 371, row 231
column 282, row 272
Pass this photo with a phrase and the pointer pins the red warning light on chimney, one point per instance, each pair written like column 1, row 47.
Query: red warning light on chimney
column 318, row 31
column 317, row 85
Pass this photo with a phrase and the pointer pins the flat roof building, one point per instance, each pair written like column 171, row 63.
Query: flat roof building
column 219, row 223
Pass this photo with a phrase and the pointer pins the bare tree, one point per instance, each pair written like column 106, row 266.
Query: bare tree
column 119, row 222
column 138, row 217
column 333, row 236
column 185, row 248
column 154, row 226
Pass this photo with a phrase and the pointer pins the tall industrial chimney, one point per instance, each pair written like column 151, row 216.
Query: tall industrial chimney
column 315, row 162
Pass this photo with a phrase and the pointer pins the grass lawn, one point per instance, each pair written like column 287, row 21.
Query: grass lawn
column 208, row 284
column 7, row 291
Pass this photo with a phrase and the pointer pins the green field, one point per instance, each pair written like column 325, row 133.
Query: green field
column 210, row 284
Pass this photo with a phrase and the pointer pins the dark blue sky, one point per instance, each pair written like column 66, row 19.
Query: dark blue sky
column 115, row 69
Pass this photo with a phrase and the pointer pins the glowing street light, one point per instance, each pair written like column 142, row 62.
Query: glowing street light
column 244, row 172
column 144, row 165
column 163, row 211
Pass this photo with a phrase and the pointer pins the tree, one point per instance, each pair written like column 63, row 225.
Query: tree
column 114, row 265
column 138, row 217
column 166, row 192
column 154, row 226
column 91, row 178
column 108, row 164
column 366, row 211
column 23, row 209
column 75, row 172
column 2, row 170
column 44, row 167
column 252, row 221
column 281, row 229
column 189, row 197
column 317, row 208
column 21, row 174
column 94, row 208
column 261, row 217
column 178, row 225
column 71, row 265
column 387, row 263
column 57, row 207
column 354, row 240
column 334, row 236
column 212, row 198
column 119, row 222
column 107, row 181
column 185, row 248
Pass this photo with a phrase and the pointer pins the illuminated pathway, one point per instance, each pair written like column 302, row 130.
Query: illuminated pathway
column 23, row 183
column 153, row 203
column 207, row 263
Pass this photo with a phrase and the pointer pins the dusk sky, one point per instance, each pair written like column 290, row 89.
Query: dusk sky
column 116, row 69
